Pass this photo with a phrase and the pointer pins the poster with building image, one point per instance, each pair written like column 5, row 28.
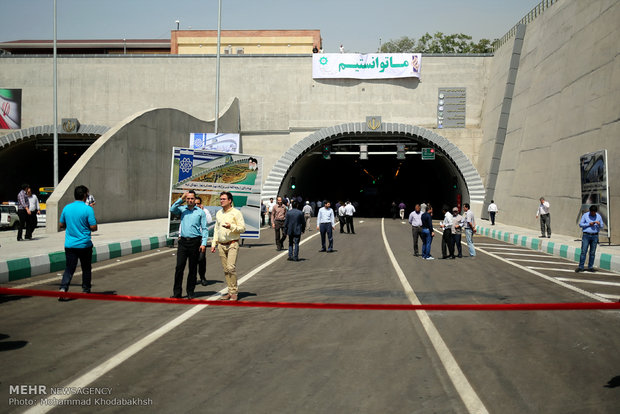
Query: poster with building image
column 209, row 173
column 594, row 186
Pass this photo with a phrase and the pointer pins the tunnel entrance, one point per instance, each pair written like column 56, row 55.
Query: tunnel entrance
column 32, row 162
column 378, row 181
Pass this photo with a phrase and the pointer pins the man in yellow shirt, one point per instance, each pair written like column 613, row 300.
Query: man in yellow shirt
column 229, row 225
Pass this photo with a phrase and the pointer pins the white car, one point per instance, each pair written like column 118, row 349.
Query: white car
column 8, row 216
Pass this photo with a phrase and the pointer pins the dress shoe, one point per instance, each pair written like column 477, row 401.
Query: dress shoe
column 579, row 269
column 204, row 282
column 191, row 295
column 290, row 259
column 175, row 297
column 330, row 250
column 322, row 250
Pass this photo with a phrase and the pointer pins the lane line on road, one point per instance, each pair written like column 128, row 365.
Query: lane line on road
column 572, row 265
column 592, row 282
column 458, row 378
column 571, row 270
column 608, row 296
column 114, row 361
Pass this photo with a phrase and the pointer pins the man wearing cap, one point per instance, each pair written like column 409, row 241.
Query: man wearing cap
column 591, row 223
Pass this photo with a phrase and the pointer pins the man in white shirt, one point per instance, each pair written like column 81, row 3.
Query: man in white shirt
column 325, row 223
column 415, row 219
column 33, row 203
column 545, row 217
column 349, row 210
column 446, row 239
column 492, row 212
column 341, row 216
column 470, row 229
column 307, row 210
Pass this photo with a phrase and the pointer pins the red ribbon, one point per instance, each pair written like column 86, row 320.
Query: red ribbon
column 303, row 305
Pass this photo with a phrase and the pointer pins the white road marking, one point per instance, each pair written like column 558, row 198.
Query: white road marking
column 124, row 355
column 516, row 248
column 543, row 261
column 592, row 282
column 572, row 271
column 462, row 385
column 528, row 254
column 95, row 269
column 605, row 295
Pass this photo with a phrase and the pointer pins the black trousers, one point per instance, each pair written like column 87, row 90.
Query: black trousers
column 350, row 228
column 32, row 223
column 342, row 221
column 188, row 250
column 202, row 265
column 23, row 223
column 416, row 232
column 72, row 255
column 447, row 242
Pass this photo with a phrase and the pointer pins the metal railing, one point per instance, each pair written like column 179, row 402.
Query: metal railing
column 528, row 18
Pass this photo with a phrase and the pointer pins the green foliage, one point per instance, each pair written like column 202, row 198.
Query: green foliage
column 437, row 43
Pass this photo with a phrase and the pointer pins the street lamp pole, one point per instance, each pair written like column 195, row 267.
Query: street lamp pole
column 217, row 65
column 55, row 104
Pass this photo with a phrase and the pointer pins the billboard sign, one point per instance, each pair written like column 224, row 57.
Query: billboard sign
column 209, row 173
column 594, row 186
column 369, row 66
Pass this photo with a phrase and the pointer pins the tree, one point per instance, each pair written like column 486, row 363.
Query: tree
column 437, row 43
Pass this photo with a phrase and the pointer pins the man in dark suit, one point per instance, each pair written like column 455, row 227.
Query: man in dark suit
column 294, row 225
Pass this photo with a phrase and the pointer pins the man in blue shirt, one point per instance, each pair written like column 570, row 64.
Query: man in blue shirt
column 193, row 235
column 591, row 223
column 79, row 221
column 325, row 223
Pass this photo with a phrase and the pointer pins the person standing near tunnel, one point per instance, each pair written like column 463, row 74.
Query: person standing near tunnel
column 325, row 223
column 427, row 233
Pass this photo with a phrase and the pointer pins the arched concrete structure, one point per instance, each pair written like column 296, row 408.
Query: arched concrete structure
column 128, row 168
column 452, row 152
column 41, row 130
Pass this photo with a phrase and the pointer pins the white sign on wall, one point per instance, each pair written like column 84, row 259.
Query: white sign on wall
column 370, row 66
column 215, row 142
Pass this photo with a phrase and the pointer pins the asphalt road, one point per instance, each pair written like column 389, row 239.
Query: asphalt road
column 180, row 358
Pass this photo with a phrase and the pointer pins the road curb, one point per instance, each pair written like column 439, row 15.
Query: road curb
column 22, row 268
column 603, row 261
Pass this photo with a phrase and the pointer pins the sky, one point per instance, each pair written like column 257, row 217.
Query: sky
column 359, row 25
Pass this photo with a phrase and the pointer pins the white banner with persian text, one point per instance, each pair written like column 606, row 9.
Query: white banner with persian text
column 370, row 66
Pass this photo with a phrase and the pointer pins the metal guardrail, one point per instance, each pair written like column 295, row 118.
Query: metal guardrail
column 528, row 18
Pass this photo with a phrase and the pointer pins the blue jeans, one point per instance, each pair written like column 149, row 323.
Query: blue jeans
column 588, row 240
column 427, row 240
column 293, row 246
column 469, row 235
column 72, row 255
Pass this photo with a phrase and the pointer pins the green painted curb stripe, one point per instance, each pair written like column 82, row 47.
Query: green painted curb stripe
column 136, row 246
column 19, row 269
column 605, row 261
column 577, row 254
column 550, row 247
column 535, row 244
column 524, row 241
column 57, row 261
column 564, row 251
column 154, row 242
column 115, row 250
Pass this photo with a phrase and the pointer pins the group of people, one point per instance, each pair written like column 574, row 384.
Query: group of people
column 78, row 219
column 27, row 211
column 291, row 220
column 452, row 225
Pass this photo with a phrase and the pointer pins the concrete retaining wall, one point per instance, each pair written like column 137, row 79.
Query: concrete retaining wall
column 565, row 104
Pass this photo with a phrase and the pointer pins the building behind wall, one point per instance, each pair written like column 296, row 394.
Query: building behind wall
column 246, row 42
